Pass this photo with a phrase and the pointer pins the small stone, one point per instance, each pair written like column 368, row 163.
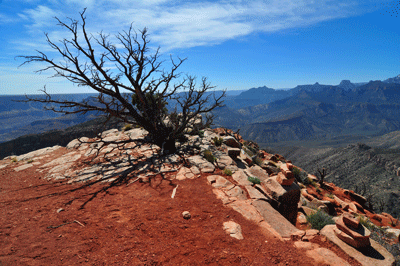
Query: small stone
column 233, row 229
column 186, row 215
column 60, row 210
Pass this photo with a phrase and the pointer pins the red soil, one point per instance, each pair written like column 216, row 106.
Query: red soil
column 128, row 224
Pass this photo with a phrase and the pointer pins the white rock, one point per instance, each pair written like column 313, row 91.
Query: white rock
column 233, row 229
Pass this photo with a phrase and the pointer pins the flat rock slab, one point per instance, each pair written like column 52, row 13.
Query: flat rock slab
column 368, row 256
column 279, row 223
column 326, row 257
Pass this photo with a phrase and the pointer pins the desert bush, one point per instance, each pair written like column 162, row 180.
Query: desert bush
column 127, row 127
column 201, row 133
column 209, row 156
column 319, row 219
column 217, row 141
column 30, row 161
column 227, row 172
column 14, row 159
column 254, row 180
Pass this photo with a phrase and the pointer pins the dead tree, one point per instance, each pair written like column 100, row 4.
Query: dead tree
column 321, row 174
column 136, row 91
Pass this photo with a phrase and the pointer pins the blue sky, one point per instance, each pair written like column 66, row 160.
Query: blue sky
column 236, row 44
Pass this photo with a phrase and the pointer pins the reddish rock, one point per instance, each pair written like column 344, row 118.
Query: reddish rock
column 348, row 239
column 280, row 157
column 377, row 217
column 297, row 235
column 350, row 220
column 306, row 195
column 283, row 180
column 289, row 165
column 360, row 234
column 285, row 170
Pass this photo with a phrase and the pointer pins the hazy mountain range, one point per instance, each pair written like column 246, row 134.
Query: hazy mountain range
column 306, row 112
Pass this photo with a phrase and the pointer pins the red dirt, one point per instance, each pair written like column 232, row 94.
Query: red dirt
column 135, row 224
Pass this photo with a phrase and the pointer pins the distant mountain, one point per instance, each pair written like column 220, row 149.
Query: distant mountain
column 329, row 112
column 393, row 80
column 347, row 85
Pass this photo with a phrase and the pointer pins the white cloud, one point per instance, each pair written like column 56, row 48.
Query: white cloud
column 182, row 24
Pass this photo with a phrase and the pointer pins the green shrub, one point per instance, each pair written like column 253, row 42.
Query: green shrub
column 201, row 133
column 217, row 141
column 209, row 156
column 30, row 161
column 319, row 219
column 297, row 174
column 254, row 180
column 330, row 195
column 14, row 159
column 127, row 127
column 228, row 172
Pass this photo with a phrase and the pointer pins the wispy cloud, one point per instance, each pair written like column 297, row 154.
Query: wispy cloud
column 184, row 24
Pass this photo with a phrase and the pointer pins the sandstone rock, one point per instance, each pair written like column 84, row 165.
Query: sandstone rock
column 186, row 215
column 257, row 171
column 254, row 193
column 233, row 229
column 350, row 220
column 222, row 196
column 22, row 167
column 377, row 217
column 287, row 194
column 245, row 157
column 285, row 170
column 231, row 142
column 297, row 235
column 395, row 232
column 283, row 180
column 204, row 165
column 218, row 181
column 224, row 161
column 276, row 221
column 233, row 152
column 76, row 143
column 184, row 173
column 136, row 133
column 301, row 218
column 326, row 257
column 308, row 211
column 236, row 192
column 245, row 208
column 368, row 256
column 310, row 235
column 240, row 177
column 359, row 234
column 356, row 197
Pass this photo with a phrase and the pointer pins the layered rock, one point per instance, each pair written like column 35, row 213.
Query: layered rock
column 350, row 231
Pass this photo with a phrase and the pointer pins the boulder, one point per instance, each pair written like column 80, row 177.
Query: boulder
column 231, row 142
column 368, row 256
column 284, row 194
column 283, row 180
column 233, row 152
column 285, row 170
column 356, row 237
column 233, row 229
